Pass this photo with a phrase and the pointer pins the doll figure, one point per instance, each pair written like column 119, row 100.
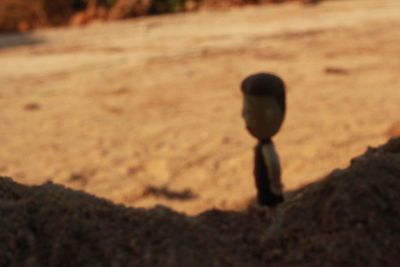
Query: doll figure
column 263, row 111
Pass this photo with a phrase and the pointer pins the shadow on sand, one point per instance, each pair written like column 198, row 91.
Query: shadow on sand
column 18, row 39
column 169, row 194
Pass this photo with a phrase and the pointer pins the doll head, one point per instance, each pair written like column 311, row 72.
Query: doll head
column 263, row 104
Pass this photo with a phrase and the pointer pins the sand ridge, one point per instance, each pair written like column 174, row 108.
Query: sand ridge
column 350, row 217
column 145, row 112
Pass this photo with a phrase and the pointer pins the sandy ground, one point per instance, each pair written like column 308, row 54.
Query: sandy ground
column 350, row 218
column 147, row 111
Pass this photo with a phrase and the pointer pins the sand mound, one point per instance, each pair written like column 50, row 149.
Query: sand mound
column 348, row 219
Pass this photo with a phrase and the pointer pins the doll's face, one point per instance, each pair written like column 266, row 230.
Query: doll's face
column 263, row 115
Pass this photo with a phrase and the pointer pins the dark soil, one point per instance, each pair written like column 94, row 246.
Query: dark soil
column 350, row 218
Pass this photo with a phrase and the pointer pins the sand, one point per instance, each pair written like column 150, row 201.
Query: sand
column 147, row 111
column 350, row 218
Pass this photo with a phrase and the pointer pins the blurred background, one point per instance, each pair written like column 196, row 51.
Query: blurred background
column 144, row 110
column 23, row 15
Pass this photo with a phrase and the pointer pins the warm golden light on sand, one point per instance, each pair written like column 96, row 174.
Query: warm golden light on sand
column 147, row 111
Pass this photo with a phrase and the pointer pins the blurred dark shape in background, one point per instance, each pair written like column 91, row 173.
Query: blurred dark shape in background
column 18, row 39
column 25, row 15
